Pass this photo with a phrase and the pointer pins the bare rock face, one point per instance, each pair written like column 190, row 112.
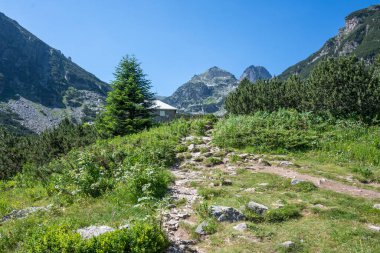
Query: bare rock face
column 359, row 36
column 39, row 85
column 255, row 73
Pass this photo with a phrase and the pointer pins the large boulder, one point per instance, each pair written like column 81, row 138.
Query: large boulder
column 225, row 213
column 93, row 231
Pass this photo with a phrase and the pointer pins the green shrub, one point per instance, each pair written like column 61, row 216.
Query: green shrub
column 141, row 237
column 209, row 193
column 304, row 186
column 211, row 227
column 150, row 182
column 53, row 239
column 282, row 214
column 252, row 216
column 211, row 161
column 282, row 130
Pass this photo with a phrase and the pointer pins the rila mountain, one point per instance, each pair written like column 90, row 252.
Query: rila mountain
column 39, row 86
column 293, row 165
column 359, row 37
column 206, row 92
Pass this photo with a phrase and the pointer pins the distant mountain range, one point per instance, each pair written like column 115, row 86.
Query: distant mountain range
column 206, row 92
column 360, row 37
column 39, row 86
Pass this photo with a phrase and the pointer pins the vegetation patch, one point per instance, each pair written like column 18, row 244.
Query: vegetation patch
column 284, row 213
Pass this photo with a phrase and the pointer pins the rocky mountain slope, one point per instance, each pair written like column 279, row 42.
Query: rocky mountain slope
column 39, row 86
column 254, row 73
column 360, row 36
column 205, row 93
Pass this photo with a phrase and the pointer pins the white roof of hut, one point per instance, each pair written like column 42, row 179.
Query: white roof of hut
column 159, row 105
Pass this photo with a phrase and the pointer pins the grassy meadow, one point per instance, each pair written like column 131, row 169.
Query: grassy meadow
column 124, row 180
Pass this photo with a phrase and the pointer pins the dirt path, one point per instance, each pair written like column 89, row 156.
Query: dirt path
column 184, row 195
column 321, row 182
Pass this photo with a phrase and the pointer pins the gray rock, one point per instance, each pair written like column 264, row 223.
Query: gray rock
column 226, row 182
column 93, row 231
column 225, row 213
column 257, row 208
column 288, row 244
column 124, row 226
column 251, row 190
column 296, row 181
column 191, row 147
column 18, row 214
column 263, row 184
column 376, row 206
column 264, row 163
column 200, row 229
column 241, row 227
column 285, row 163
column 374, row 228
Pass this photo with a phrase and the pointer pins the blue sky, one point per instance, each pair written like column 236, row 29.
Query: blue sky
column 175, row 39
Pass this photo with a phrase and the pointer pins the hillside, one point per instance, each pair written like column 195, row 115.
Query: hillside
column 200, row 186
column 360, row 36
column 206, row 92
column 39, row 86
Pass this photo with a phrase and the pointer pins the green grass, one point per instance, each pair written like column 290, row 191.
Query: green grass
column 340, row 226
column 337, row 147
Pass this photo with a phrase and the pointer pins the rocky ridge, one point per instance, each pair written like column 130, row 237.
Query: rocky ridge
column 360, row 36
column 39, row 86
column 206, row 92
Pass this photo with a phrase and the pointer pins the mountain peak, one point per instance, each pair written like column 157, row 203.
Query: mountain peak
column 360, row 37
column 255, row 73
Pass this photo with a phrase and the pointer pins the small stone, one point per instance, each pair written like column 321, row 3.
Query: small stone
column 208, row 154
column 183, row 215
column 278, row 205
column 200, row 229
column 322, row 180
column 226, row 182
column 288, row 244
column 241, row 227
column 124, row 226
column 320, row 206
column 243, row 156
column 191, row 147
column 257, row 208
column 264, row 163
column 170, row 206
column 285, row 163
column 374, row 228
column 251, row 190
column 376, row 206
column 296, row 181
column 263, row 184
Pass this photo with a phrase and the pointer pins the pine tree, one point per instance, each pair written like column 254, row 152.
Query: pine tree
column 128, row 103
